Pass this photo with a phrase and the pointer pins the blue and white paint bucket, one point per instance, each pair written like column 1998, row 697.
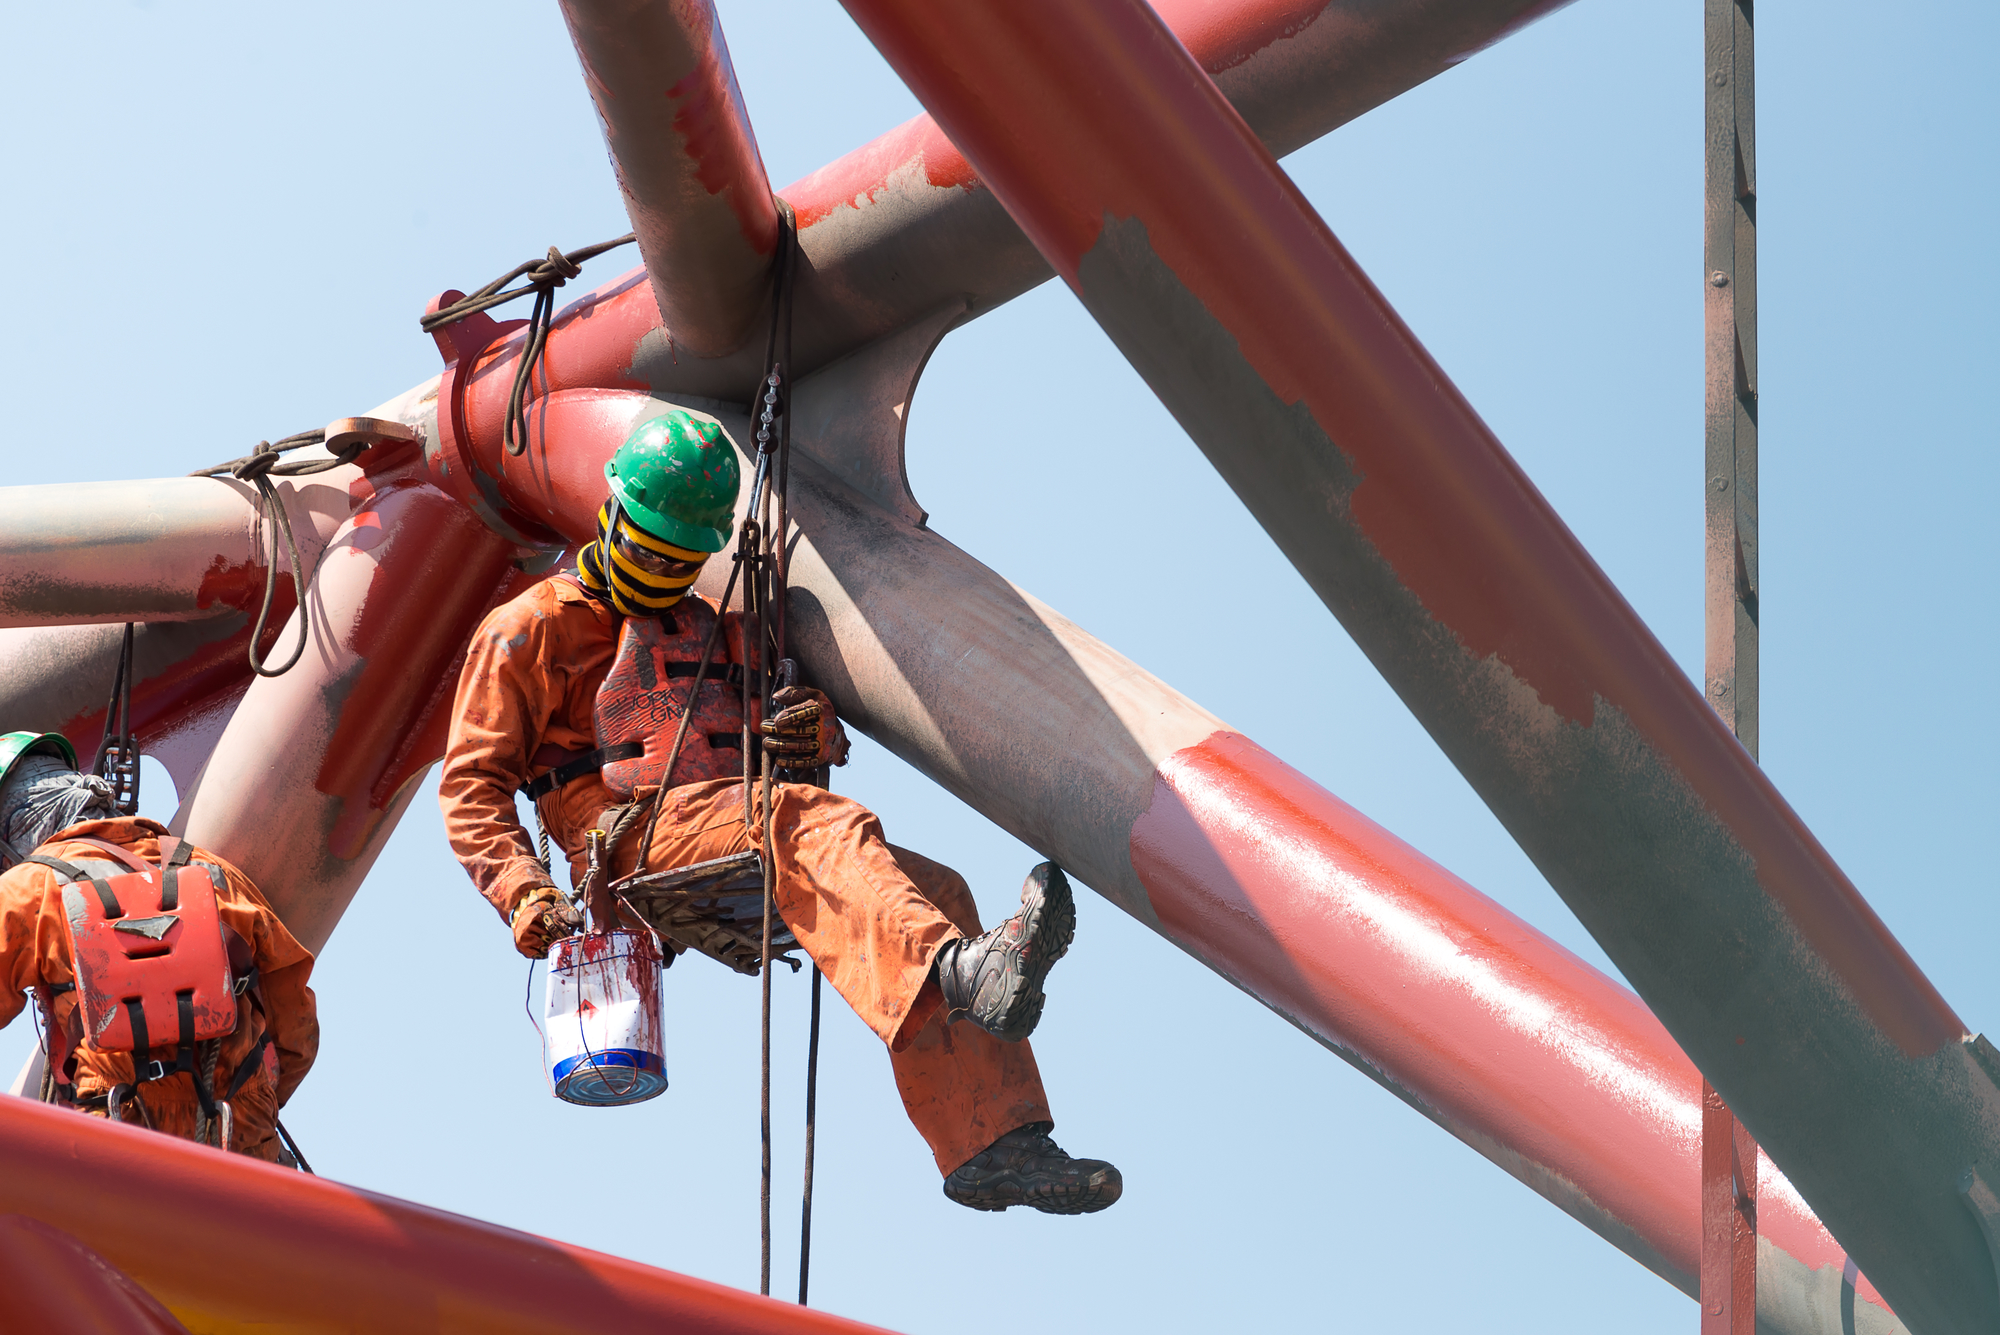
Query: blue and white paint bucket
column 602, row 1019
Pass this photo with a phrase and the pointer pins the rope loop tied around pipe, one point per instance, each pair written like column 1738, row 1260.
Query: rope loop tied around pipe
column 344, row 440
column 543, row 277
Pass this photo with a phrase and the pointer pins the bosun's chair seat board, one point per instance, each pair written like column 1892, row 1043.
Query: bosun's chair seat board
column 715, row 907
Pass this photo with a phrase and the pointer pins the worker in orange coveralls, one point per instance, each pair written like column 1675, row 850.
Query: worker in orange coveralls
column 895, row 933
column 51, row 813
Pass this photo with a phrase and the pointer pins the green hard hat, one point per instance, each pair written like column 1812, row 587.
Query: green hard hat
column 14, row 745
column 676, row 476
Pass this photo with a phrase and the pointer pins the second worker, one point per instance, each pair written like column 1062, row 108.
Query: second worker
column 896, row 934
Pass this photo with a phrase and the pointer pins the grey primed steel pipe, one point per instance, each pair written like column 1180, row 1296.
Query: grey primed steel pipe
column 159, row 549
column 687, row 163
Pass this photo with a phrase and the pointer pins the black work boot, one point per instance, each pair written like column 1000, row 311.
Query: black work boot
column 1025, row 1167
column 995, row 980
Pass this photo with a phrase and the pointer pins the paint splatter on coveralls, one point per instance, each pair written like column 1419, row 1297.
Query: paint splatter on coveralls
column 869, row 914
column 34, row 951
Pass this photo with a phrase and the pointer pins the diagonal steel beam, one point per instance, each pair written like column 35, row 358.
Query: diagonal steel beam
column 687, row 162
column 903, row 224
column 1209, row 270
column 315, row 767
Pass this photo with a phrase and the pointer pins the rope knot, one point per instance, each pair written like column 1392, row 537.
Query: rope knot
column 556, row 270
column 258, row 463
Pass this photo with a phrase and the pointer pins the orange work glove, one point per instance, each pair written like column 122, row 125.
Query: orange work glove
column 541, row 919
column 804, row 733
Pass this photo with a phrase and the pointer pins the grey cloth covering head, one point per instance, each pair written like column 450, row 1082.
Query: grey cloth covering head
column 44, row 795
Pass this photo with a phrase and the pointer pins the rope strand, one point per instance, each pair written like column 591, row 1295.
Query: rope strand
column 812, row 1111
column 767, row 581
column 258, row 468
column 543, row 276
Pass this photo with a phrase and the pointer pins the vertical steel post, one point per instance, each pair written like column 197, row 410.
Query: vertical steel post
column 1729, row 251
column 1728, row 1220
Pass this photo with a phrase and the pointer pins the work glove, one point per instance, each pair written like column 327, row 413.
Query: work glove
column 541, row 919
column 803, row 733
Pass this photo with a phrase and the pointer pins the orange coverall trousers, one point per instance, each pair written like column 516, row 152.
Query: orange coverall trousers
column 870, row 915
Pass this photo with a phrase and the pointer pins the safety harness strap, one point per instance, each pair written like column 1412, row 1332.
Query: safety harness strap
column 731, row 673
column 145, row 1068
column 248, row 1066
column 124, row 855
column 169, row 898
column 588, row 763
column 141, row 1042
column 70, row 872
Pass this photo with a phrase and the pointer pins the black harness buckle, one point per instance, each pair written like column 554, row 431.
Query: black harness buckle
column 588, row 763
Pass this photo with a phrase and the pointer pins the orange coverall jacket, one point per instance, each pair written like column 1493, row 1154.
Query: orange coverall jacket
column 34, row 952
column 871, row 916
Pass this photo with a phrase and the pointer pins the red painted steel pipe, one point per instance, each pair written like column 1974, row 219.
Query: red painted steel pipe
column 687, row 161
column 315, row 767
column 1729, row 1221
column 1505, row 1039
column 1147, row 192
column 52, row 1282
column 229, row 1243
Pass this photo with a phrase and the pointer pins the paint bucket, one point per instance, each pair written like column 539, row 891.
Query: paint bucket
column 602, row 1019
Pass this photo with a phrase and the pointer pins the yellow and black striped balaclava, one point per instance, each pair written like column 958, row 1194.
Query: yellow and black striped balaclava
column 638, row 574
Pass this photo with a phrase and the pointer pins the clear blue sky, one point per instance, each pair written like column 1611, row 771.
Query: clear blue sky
column 225, row 220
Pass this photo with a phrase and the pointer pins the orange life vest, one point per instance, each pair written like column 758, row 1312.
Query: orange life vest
column 646, row 691
column 148, row 952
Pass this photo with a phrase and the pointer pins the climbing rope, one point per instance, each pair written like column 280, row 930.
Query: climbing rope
column 543, row 277
column 117, row 752
column 293, row 1146
column 774, row 420
column 764, row 589
column 349, row 437
column 812, row 1109
column 210, row 1125
column 258, row 468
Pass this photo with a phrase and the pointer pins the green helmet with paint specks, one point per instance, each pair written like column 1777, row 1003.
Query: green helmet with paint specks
column 14, row 745
column 676, row 477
